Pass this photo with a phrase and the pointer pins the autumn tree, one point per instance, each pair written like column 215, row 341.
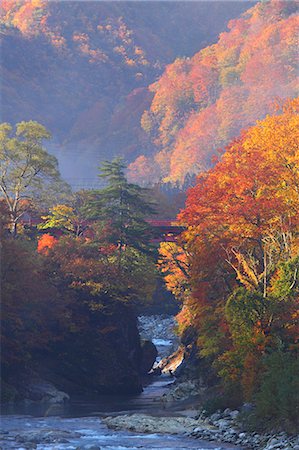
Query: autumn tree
column 242, row 230
column 201, row 103
column 248, row 204
column 174, row 265
column 31, row 310
column 27, row 170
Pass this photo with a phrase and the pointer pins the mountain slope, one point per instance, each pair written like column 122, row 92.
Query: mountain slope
column 201, row 103
column 82, row 68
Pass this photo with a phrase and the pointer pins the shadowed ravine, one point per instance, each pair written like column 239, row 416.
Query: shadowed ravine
column 78, row 424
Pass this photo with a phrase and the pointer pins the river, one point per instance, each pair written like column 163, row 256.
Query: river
column 78, row 425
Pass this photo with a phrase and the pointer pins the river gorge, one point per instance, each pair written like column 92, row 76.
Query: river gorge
column 81, row 423
column 166, row 415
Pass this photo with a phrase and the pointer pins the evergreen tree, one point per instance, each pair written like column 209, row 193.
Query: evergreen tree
column 124, row 208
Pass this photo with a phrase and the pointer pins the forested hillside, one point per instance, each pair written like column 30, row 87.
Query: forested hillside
column 83, row 68
column 203, row 102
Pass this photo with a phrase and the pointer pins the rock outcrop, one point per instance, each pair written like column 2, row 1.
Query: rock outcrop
column 38, row 390
column 143, row 423
column 104, row 358
column 149, row 355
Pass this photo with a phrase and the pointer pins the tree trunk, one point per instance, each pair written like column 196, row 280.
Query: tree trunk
column 14, row 228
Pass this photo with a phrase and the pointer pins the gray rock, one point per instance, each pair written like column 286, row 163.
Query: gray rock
column 150, row 424
column 215, row 416
column 276, row 443
column 88, row 447
column 45, row 392
column 181, row 391
column 234, row 414
column 247, row 407
column 272, row 441
column 232, row 431
column 212, row 431
column 46, row 437
column 222, row 424
column 149, row 355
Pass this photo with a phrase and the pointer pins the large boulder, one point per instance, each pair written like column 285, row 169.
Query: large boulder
column 101, row 355
column 149, row 354
column 172, row 363
column 105, row 357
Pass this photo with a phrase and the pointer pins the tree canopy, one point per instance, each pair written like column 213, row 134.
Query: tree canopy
column 124, row 208
column 241, row 245
column 27, row 170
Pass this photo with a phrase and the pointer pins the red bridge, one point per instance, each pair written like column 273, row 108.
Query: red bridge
column 166, row 230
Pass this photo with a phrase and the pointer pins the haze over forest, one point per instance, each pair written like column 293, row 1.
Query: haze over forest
column 83, row 69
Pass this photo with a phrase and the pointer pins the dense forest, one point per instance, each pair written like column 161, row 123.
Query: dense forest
column 235, row 268
column 203, row 102
column 217, row 155
column 82, row 69
column 69, row 282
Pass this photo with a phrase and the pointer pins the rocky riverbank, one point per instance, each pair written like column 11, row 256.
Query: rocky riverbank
column 227, row 427
column 220, row 427
column 87, row 433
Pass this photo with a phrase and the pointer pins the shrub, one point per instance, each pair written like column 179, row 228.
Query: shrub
column 277, row 402
column 228, row 399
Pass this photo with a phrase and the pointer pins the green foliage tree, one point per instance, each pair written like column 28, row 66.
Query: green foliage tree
column 71, row 219
column 260, row 325
column 277, row 401
column 26, row 169
column 123, row 208
column 62, row 217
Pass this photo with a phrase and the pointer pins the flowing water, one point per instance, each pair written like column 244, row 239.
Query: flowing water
column 87, row 433
column 78, row 425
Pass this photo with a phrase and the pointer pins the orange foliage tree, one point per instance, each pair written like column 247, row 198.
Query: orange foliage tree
column 45, row 242
column 241, row 235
